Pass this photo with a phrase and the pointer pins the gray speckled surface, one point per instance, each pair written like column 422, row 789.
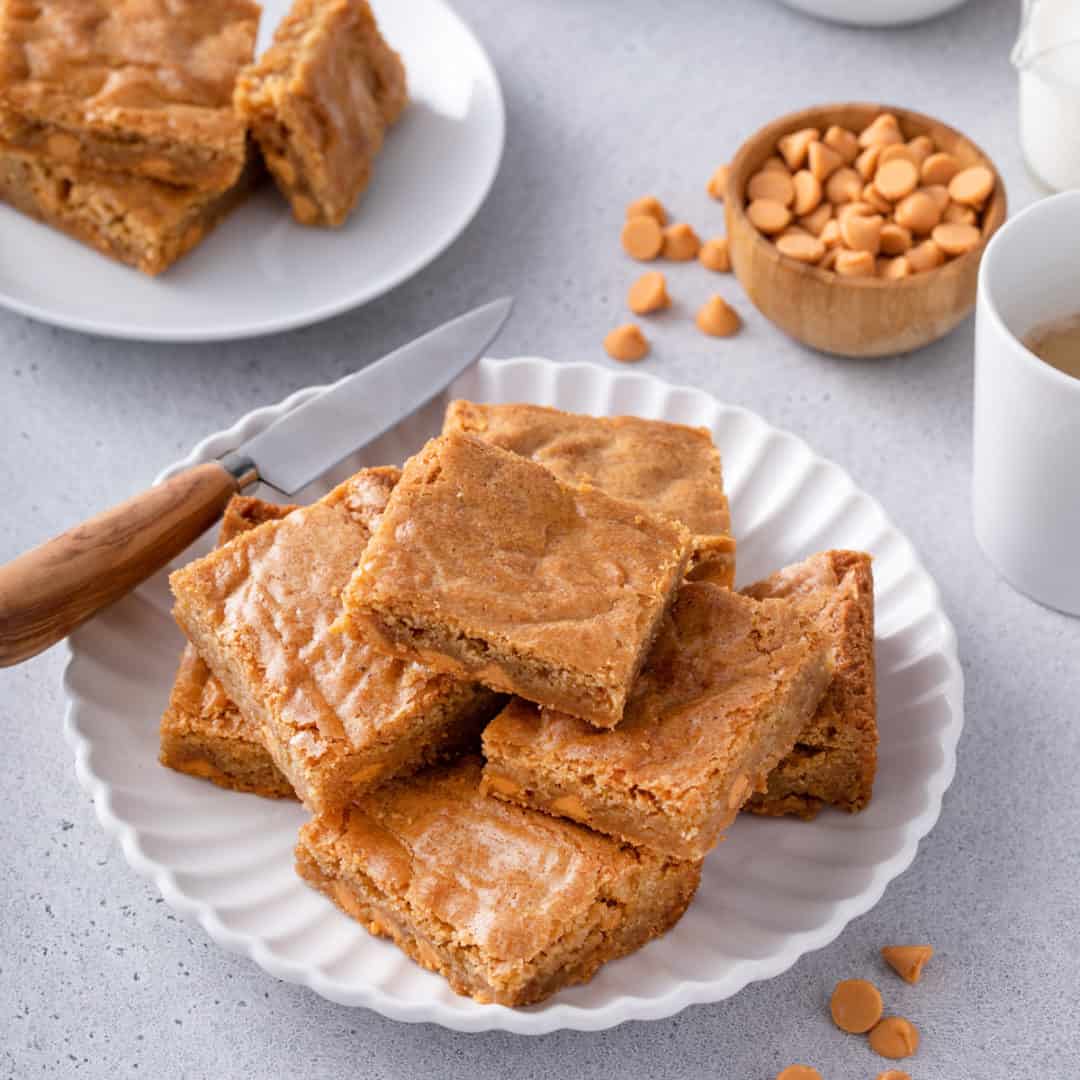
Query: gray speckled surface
column 607, row 99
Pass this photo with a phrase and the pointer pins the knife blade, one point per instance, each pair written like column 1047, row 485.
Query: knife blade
column 49, row 591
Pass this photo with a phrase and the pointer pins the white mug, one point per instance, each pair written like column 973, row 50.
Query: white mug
column 1026, row 493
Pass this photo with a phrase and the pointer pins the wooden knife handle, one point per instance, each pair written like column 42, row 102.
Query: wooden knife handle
column 52, row 589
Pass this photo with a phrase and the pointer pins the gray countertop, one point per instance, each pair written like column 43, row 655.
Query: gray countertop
column 607, row 100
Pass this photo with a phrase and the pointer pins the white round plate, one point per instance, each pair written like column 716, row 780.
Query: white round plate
column 772, row 891
column 259, row 272
column 876, row 13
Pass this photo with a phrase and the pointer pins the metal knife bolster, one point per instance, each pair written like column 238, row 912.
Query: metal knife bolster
column 241, row 468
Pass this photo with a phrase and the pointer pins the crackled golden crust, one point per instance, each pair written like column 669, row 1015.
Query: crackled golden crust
column 727, row 688
column 664, row 468
column 202, row 732
column 319, row 101
column 508, row 905
column 141, row 87
column 485, row 564
column 143, row 223
column 337, row 716
column 835, row 759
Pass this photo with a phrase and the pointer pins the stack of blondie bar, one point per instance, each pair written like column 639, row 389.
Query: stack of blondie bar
column 516, row 690
column 125, row 123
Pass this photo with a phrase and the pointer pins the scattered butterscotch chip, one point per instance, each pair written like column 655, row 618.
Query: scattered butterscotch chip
column 844, row 186
column 894, row 269
column 907, row 961
column 795, row 147
column 925, row 256
column 861, row 233
column 939, row 168
column 768, row 216
column 642, row 237
column 922, row 146
column 717, row 318
column 771, row 184
column 823, row 160
column 894, row 1037
column 918, row 212
column 958, row 214
column 856, row 1005
column 955, row 239
column 893, row 1074
column 895, row 239
column 804, row 247
column 627, row 343
column 867, row 162
column 714, row 255
column 815, row 222
column 717, row 184
column 939, row 193
column 884, row 130
column 798, row 1072
column 844, row 142
column 972, row 186
column 896, row 178
column 807, row 189
column 648, row 206
column 681, row 243
column 649, row 293
column 854, row 263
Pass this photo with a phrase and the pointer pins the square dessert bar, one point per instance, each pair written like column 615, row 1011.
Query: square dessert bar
column 202, row 732
column 486, row 565
column 664, row 468
column 506, row 904
column 144, row 223
column 319, row 101
column 728, row 687
column 142, row 87
column 337, row 715
column 835, row 758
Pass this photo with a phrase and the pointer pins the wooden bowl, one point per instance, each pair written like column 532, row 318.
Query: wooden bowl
column 853, row 316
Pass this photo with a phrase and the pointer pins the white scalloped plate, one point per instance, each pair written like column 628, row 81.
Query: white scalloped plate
column 771, row 892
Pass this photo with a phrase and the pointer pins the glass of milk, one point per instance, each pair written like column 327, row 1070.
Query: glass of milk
column 1047, row 57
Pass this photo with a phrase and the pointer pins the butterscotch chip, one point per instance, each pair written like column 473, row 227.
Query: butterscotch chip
column 647, row 206
column 844, row 142
column 768, row 216
column 893, row 1074
column 896, row 178
column 958, row 214
column 862, row 233
column 895, row 239
column 829, row 261
column 939, row 168
column 894, row 269
column 918, row 212
column 896, row 151
column 794, row 147
column 830, row 234
column 925, row 256
column 922, row 146
column 804, row 247
column 940, row 195
column 772, row 184
column 715, row 255
column 717, row 184
column 860, row 208
column 972, row 186
column 627, row 343
column 823, row 160
column 642, row 237
column 648, row 293
column 907, row 961
column 807, row 190
column 717, row 318
column 955, row 239
column 867, row 162
column 815, row 222
column 798, row 1072
column 855, row 1005
column 775, row 162
column 854, row 263
column 871, row 195
column 844, row 186
column 681, row 243
column 883, row 131
column 894, row 1037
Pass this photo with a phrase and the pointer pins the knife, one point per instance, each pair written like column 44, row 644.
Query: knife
column 49, row 591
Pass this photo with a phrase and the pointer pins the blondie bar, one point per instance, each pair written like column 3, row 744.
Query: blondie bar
column 319, row 101
column 140, row 87
column 337, row 715
column 728, row 687
column 486, row 565
column 202, row 732
column 835, row 758
column 144, row 223
column 506, row 904
column 664, row 468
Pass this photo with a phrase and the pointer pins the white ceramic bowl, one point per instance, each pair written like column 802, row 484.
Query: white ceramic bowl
column 875, row 12
column 773, row 890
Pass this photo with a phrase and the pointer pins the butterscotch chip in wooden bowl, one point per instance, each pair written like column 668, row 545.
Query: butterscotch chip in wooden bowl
column 805, row 247
column 768, row 216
